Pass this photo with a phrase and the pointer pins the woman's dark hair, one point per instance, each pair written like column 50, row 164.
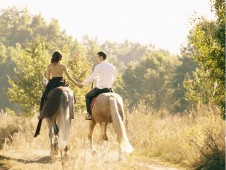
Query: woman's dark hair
column 102, row 54
column 56, row 57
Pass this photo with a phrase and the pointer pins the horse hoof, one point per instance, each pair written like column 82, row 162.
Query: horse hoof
column 94, row 153
column 53, row 153
column 120, row 159
column 64, row 158
column 66, row 149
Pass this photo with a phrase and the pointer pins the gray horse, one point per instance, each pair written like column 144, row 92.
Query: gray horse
column 58, row 111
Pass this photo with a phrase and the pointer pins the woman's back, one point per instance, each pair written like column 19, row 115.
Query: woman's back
column 55, row 70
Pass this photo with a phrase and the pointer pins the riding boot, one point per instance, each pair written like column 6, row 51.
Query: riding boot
column 88, row 116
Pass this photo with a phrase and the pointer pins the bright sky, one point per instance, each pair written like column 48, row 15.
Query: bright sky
column 163, row 23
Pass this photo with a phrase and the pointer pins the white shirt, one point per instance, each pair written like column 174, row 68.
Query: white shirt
column 105, row 74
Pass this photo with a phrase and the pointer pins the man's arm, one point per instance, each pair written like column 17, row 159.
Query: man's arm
column 114, row 74
column 92, row 76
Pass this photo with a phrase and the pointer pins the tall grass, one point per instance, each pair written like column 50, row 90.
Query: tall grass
column 193, row 139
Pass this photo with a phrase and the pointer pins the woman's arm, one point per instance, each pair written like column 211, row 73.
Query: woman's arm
column 69, row 77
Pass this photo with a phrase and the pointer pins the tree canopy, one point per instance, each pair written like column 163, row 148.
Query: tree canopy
column 145, row 74
column 208, row 41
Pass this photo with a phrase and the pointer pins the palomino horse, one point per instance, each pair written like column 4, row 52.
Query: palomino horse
column 58, row 110
column 108, row 108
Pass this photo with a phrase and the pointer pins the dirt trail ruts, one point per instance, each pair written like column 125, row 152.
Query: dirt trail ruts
column 41, row 160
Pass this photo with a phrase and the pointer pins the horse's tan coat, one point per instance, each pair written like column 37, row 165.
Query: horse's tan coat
column 101, row 109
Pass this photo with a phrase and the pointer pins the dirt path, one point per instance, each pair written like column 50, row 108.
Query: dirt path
column 41, row 160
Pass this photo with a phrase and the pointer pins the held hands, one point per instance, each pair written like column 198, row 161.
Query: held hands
column 80, row 85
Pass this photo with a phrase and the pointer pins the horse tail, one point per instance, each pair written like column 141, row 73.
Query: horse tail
column 64, row 120
column 119, row 127
column 38, row 128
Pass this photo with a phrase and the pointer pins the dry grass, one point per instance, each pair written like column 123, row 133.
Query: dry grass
column 193, row 140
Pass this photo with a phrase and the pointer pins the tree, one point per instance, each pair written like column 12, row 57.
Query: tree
column 91, row 47
column 27, row 85
column 19, row 31
column 19, row 26
column 150, row 80
column 208, row 40
column 183, row 71
column 200, row 90
column 80, row 68
column 30, row 68
column 6, row 67
column 14, row 26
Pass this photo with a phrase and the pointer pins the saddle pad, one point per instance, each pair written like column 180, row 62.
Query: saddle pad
column 93, row 102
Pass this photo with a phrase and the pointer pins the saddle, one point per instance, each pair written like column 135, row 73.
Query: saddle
column 104, row 90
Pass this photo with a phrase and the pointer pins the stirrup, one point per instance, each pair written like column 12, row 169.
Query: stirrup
column 88, row 117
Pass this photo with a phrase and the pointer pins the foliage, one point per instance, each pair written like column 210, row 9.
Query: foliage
column 24, row 55
column 79, row 68
column 31, row 68
column 150, row 80
column 6, row 69
column 19, row 26
column 119, row 54
column 155, row 77
column 182, row 72
column 208, row 41
column 91, row 47
column 200, row 90
column 13, row 26
column 27, row 85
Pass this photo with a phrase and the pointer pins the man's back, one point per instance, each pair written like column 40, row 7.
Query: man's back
column 106, row 75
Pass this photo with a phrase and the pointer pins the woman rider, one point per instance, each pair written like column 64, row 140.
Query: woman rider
column 55, row 72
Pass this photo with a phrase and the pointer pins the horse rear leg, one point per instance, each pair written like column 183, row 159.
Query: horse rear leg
column 55, row 128
column 103, row 135
column 53, row 139
column 90, row 135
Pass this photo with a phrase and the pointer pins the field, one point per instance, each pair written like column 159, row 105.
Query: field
column 192, row 140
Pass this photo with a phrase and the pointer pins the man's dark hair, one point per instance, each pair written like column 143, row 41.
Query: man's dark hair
column 102, row 54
